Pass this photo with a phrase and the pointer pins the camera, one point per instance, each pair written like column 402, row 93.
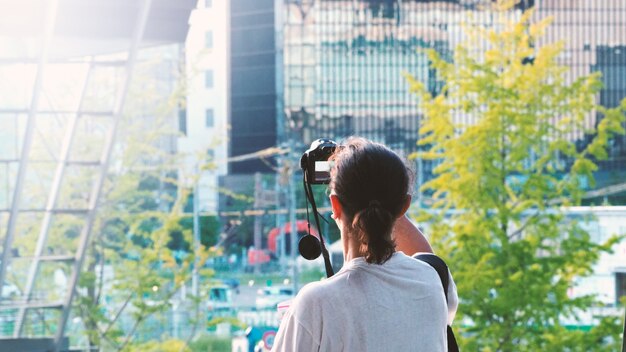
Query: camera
column 314, row 161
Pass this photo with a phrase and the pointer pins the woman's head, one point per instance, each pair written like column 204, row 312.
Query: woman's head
column 371, row 183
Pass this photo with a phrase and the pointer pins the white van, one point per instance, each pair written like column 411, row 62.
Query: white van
column 220, row 300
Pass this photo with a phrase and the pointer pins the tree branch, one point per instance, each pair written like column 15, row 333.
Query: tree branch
column 523, row 227
column 194, row 326
column 132, row 332
column 119, row 312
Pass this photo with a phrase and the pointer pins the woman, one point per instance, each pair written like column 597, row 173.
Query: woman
column 381, row 300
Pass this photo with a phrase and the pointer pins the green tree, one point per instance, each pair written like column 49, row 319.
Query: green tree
column 503, row 182
column 142, row 251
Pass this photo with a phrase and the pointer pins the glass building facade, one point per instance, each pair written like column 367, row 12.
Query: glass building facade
column 305, row 69
column 253, row 81
column 344, row 63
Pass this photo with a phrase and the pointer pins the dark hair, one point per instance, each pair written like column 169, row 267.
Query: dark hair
column 372, row 184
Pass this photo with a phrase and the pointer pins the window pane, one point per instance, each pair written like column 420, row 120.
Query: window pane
column 209, row 117
column 208, row 39
column 208, row 79
column 182, row 121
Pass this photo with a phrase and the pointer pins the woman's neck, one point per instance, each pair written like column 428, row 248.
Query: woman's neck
column 351, row 247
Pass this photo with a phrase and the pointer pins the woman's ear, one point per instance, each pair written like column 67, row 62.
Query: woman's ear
column 405, row 206
column 335, row 205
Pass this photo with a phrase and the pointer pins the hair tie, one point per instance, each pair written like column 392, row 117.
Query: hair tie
column 374, row 203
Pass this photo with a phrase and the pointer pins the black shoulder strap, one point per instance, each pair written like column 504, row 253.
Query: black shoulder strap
column 439, row 265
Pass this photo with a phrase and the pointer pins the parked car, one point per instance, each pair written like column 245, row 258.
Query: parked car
column 220, row 301
column 269, row 297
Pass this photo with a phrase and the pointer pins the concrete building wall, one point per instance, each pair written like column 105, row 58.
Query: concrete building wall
column 207, row 61
column 605, row 222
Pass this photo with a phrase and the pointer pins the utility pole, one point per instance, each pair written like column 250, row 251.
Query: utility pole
column 258, row 190
column 196, row 240
column 281, row 244
column 292, row 221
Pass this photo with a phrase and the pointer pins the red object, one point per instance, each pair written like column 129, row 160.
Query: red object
column 301, row 226
column 257, row 256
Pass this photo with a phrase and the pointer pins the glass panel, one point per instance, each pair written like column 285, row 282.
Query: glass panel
column 16, row 85
column 37, row 184
column 76, row 187
column 52, row 281
column 208, row 40
column 11, row 129
column 41, row 322
column 48, row 137
column 61, row 87
column 208, row 79
column 90, row 136
column 64, row 234
column 209, row 118
column 27, row 228
column 104, row 85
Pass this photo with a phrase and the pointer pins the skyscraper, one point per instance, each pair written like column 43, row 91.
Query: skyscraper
column 344, row 61
column 334, row 68
column 254, row 81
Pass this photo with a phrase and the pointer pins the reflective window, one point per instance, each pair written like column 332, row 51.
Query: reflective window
column 209, row 120
column 208, row 40
column 208, row 79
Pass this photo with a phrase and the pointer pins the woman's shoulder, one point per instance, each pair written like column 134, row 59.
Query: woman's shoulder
column 412, row 267
column 325, row 291
column 313, row 300
column 401, row 259
column 317, row 289
column 311, row 290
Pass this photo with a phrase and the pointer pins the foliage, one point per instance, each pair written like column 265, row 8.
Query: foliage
column 165, row 346
column 214, row 322
column 209, row 228
column 501, row 133
column 210, row 344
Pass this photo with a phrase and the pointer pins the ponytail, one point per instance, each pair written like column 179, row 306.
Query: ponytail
column 373, row 225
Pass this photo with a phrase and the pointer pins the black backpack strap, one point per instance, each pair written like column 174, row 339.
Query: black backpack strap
column 442, row 270
column 452, row 345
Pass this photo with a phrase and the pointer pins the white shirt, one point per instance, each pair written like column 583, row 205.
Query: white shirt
column 396, row 306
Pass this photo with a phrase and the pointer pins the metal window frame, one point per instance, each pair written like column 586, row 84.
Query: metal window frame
column 85, row 235
column 50, row 21
column 51, row 203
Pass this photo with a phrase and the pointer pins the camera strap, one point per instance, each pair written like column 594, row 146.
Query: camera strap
column 311, row 199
